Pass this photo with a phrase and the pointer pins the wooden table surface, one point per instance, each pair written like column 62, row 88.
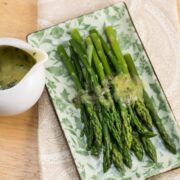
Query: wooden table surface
column 18, row 134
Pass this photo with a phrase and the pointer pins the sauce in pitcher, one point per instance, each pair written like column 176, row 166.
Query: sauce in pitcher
column 14, row 65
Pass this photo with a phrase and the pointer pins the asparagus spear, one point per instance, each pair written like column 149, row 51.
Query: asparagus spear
column 76, row 65
column 100, row 53
column 83, row 57
column 126, row 125
column 111, row 35
column 83, row 76
column 143, row 113
column 117, row 158
column 159, row 125
column 97, row 129
column 88, row 130
column 66, row 60
column 126, row 146
column 139, row 127
column 107, row 148
column 77, row 37
column 149, row 104
column 108, row 52
column 99, row 67
column 137, row 146
column 110, row 147
column 127, row 156
column 149, row 148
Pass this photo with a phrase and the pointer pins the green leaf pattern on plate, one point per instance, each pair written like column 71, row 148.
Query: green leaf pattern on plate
column 62, row 91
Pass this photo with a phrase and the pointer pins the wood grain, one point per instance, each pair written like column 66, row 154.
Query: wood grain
column 18, row 17
column 18, row 134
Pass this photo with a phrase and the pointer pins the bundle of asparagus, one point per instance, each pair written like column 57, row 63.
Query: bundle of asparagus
column 117, row 113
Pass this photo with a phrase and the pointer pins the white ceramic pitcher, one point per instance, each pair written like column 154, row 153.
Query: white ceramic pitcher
column 25, row 93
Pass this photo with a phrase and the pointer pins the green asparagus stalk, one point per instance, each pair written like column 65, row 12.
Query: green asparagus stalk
column 149, row 148
column 76, row 64
column 97, row 129
column 137, row 146
column 69, row 66
column 131, row 67
column 107, row 116
column 77, row 37
column 127, row 129
column 126, row 147
column 88, row 129
column 108, row 52
column 111, row 35
column 127, row 156
column 83, row 57
column 159, row 125
column 97, row 63
column 117, row 158
column 100, row 52
column 143, row 113
column 137, row 124
column 107, row 148
column 149, row 104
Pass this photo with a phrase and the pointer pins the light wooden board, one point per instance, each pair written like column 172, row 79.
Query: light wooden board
column 18, row 134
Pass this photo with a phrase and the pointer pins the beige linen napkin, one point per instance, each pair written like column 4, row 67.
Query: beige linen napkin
column 157, row 24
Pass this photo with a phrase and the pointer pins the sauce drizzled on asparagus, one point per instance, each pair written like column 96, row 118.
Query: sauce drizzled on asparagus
column 126, row 89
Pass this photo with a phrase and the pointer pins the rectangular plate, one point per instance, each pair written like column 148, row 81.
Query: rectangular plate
column 61, row 90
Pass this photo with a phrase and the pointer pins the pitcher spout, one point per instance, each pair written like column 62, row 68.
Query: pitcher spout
column 40, row 56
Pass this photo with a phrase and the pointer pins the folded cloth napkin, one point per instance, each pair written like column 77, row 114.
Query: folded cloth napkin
column 157, row 24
